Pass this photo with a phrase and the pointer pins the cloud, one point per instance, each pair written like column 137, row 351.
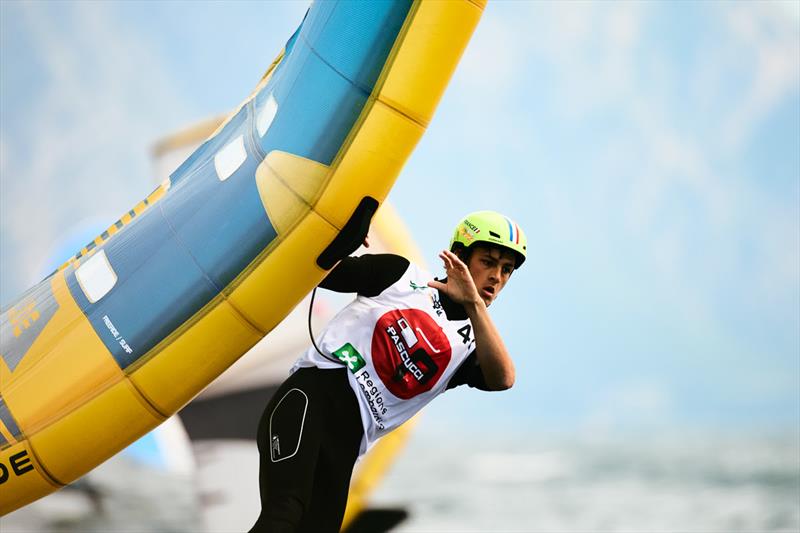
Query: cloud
column 639, row 121
column 661, row 156
column 490, row 62
column 593, row 47
column 81, row 148
column 771, row 38
column 634, row 404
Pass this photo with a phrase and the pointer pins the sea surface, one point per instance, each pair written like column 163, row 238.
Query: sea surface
column 475, row 483
column 529, row 483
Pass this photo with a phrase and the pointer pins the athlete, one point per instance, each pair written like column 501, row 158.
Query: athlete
column 405, row 339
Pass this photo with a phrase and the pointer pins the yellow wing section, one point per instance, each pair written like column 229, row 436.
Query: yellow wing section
column 270, row 359
column 145, row 316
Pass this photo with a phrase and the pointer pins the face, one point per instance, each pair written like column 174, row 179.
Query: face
column 490, row 269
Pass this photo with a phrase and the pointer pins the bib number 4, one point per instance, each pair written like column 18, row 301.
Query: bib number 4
column 466, row 334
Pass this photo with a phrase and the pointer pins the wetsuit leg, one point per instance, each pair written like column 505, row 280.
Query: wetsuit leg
column 288, row 443
column 337, row 456
column 303, row 455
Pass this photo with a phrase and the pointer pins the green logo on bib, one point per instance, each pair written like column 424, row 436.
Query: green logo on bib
column 417, row 287
column 348, row 355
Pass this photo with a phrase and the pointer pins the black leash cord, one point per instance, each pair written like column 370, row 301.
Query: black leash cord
column 311, row 333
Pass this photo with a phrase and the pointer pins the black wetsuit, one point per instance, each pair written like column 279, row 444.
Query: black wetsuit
column 310, row 433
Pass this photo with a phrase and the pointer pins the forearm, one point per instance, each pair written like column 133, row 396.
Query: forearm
column 493, row 358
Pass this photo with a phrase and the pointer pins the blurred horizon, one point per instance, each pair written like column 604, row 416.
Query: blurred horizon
column 649, row 150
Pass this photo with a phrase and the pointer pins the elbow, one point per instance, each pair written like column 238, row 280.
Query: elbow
column 507, row 384
column 504, row 383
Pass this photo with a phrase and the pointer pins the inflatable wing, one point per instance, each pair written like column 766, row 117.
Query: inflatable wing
column 230, row 407
column 139, row 321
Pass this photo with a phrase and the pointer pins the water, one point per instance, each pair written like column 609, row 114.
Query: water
column 532, row 484
column 469, row 483
column 120, row 495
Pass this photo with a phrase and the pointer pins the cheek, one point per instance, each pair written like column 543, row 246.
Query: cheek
column 476, row 273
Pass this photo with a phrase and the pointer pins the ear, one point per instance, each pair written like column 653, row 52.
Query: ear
column 462, row 254
column 459, row 250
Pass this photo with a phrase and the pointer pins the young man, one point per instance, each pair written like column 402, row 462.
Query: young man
column 405, row 339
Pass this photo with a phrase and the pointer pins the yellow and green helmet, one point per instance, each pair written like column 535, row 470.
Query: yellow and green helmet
column 493, row 228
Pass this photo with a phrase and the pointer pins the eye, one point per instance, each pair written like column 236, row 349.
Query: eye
column 507, row 269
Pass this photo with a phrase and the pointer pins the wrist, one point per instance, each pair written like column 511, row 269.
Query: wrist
column 475, row 305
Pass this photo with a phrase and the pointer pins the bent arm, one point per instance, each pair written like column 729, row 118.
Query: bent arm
column 368, row 274
column 493, row 357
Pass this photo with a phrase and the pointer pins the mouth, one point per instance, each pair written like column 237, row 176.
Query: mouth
column 488, row 292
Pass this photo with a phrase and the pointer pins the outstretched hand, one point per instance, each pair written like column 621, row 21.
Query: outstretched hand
column 459, row 286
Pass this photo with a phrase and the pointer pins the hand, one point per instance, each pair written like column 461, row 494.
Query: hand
column 459, row 287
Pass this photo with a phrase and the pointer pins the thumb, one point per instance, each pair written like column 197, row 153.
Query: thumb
column 437, row 285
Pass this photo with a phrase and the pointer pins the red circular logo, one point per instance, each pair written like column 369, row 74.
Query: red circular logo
column 410, row 352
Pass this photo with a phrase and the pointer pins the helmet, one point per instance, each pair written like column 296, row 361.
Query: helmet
column 492, row 228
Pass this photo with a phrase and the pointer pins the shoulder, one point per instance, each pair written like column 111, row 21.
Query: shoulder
column 375, row 273
column 417, row 272
column 386, row 266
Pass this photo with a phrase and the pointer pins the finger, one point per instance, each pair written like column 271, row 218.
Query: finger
column 456, row 263
column 448, row 264
column 457, row 260
column 437, row 285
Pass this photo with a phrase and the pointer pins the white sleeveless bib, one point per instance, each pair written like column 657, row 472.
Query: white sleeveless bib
column 400, row 350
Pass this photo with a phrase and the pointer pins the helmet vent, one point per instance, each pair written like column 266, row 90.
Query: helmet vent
column 495, row 235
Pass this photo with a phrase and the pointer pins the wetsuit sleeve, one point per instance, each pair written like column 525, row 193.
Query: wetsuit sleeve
column 368, row 275
column 469, row 373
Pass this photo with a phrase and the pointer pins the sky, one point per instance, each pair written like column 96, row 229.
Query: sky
column 650, row 151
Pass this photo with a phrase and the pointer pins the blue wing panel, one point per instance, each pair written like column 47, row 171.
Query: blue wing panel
column 158, row 287
column 316, row 109
column 357, row 38
column 223, row 224
column 207, row 150
column 175, row 257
